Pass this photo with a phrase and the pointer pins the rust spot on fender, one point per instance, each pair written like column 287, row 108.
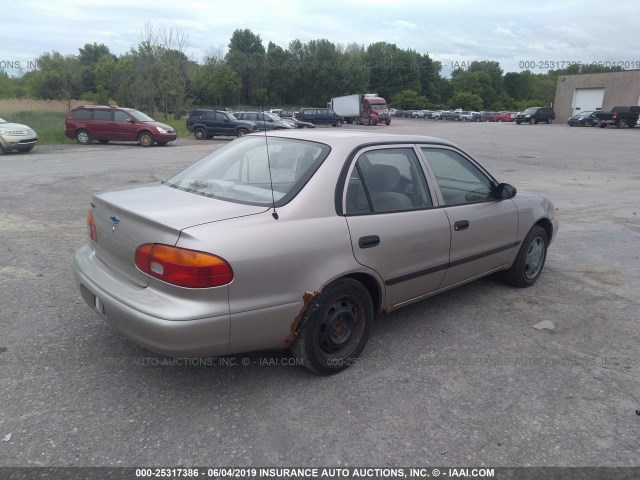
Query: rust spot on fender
column 306, row 300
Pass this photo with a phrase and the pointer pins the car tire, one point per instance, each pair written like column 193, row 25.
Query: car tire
column 533, row 121
column 145, row 139
column 622, row 123
column 529, row 262
column 335, row 327
column 603, row 125
column 83, row 137
column 200, row 134
column 339, row 123
column 242, row 132
column 518, row 122
column 549, row 120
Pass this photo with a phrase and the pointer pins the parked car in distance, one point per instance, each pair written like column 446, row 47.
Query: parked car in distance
column 463, row 116
column 295, row 239
column 205, row 124
column 288, row 112
column 15, row 136
column 583, row 119
column 295, row 123
column 104, row 123
column 264, row 120
column 502, row 117
column 321, row 116
column 620, row 117
column 535, row 115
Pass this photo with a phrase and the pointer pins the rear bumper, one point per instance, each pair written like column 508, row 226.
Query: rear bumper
column 172, row 325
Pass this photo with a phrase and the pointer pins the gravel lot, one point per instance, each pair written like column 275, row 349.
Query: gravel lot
column 462, row 379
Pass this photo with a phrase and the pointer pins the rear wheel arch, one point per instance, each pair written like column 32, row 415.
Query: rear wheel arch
column 372, row 286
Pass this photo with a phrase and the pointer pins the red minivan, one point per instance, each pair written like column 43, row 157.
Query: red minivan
column 104, row 123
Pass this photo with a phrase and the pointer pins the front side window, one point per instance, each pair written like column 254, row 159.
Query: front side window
column 460, row 181
column 141, row 117
column 120, row 116
column 387, row 180
column 245, row 170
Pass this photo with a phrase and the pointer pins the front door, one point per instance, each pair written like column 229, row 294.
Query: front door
column 483, row 229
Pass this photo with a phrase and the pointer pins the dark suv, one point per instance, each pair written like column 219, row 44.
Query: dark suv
column 534, row 115
column 320, row 116
column 104, row 123
column 264, row 120
column 206, row 123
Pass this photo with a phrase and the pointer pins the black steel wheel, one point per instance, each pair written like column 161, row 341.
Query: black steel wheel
column 335, row 327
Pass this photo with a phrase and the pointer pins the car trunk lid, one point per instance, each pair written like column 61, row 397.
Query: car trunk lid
column 151, row 214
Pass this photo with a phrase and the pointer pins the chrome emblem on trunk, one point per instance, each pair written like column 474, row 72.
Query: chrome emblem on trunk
column 114, row 221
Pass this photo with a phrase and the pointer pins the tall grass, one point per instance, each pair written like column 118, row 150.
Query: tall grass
column 46, row 117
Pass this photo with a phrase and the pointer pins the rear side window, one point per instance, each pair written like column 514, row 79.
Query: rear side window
column 104, row 115
column 82, row 114
column 387, row 180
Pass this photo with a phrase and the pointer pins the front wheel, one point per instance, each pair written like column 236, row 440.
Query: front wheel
column 145, row 139
column 530, row 260
column 517, row 122
column 242, row 132
column 339, row 123
column 200, row 133
column 335, row 327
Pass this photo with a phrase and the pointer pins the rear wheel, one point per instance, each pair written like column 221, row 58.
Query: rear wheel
column 145, row 139
column 335, row 327
column 200, row 133
column 530, row 260
column 549, row 120
column 518, row 122
column 622, row 123
column 83, row 137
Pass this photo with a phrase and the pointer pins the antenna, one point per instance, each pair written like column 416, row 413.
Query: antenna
column 274, row 214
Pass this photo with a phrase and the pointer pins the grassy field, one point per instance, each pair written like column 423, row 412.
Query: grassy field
column 46, row 117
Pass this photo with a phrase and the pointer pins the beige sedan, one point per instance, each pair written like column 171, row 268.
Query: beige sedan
column 298, row 239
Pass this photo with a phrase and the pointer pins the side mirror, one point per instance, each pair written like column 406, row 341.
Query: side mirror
column 504, row 191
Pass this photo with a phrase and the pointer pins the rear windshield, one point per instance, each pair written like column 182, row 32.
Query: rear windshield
column 245, row 170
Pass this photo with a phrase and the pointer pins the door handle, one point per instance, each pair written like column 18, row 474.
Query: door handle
column 369, row 241
column 461, row 225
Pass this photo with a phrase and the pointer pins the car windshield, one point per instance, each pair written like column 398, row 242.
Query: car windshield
column 379, row 106
column 531, row 110
column 583, row 114
column 140, row 116
column 244, row 170
column 272, row 117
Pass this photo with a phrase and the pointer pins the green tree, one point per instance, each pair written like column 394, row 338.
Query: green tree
column 466, row 101
column 408, row 100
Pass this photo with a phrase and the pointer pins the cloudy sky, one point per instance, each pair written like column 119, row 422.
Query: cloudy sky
column 454, row 32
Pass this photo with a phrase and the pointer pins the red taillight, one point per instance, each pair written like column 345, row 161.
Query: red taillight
column 182, row 267
column 91, row 227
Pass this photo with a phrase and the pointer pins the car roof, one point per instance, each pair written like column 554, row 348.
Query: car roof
column 352, row 138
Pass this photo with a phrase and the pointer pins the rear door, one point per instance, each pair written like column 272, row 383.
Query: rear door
column 483, row 229
column 101, row 126
column 394, row 227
